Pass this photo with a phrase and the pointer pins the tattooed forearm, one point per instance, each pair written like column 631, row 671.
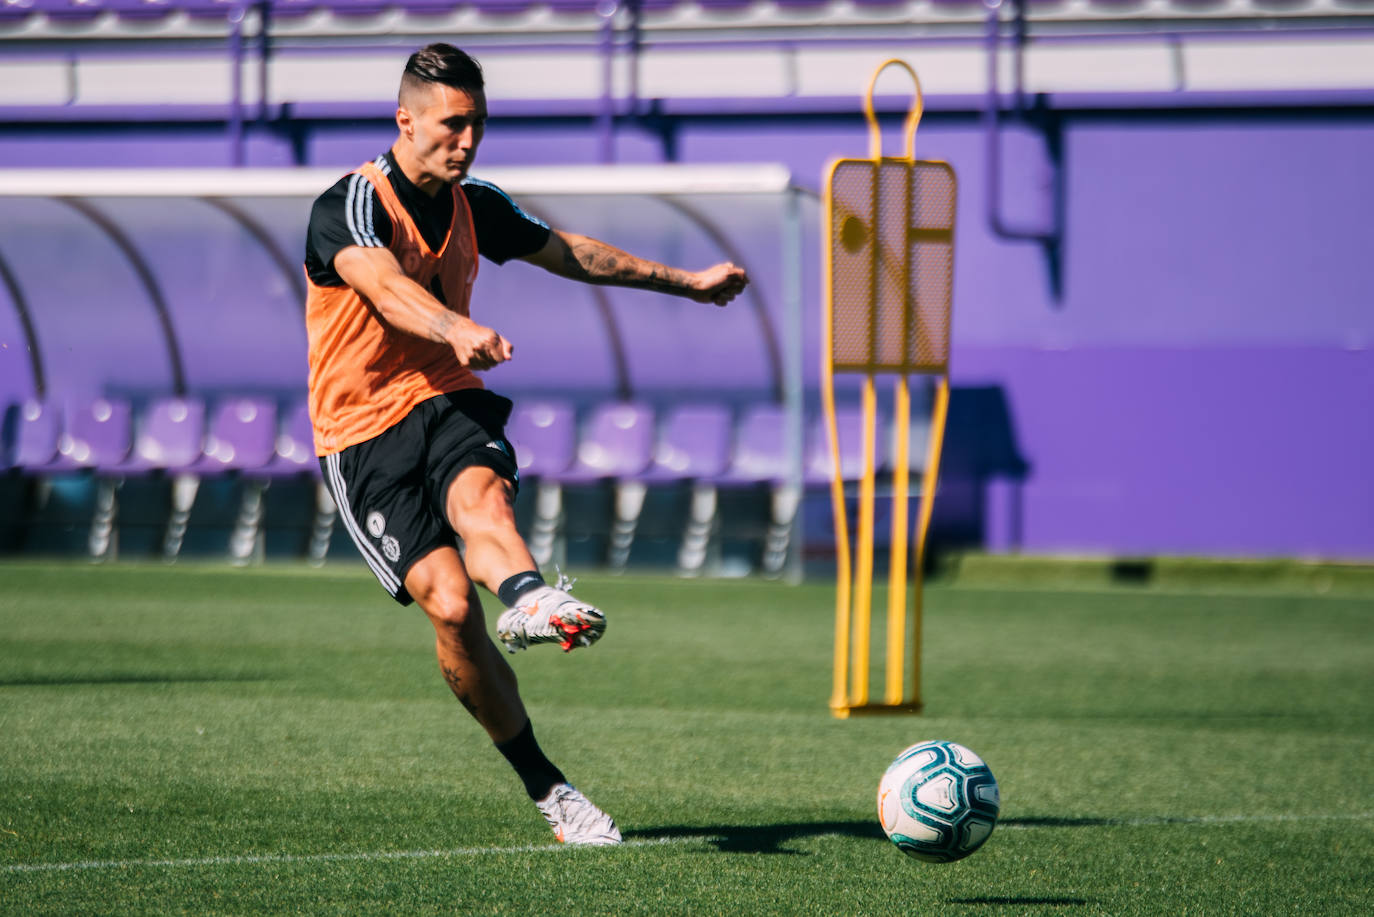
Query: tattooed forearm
column 440, row 324
column 596, row 262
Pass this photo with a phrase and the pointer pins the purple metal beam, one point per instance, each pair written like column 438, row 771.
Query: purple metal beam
column 16, row 294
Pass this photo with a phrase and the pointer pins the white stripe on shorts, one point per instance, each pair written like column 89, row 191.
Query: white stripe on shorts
column 388, row 578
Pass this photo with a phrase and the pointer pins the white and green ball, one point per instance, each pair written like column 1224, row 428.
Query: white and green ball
column 938, row 801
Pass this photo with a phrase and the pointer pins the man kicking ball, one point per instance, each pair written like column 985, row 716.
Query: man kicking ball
column 412, row 446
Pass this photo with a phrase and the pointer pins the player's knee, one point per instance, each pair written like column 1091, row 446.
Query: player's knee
column 481, row 502
column 449, row 605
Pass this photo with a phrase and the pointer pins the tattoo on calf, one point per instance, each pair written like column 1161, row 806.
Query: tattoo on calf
column 455, row 684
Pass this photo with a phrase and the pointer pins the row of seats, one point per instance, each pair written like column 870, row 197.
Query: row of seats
column 710, row 445
column 254, row 435
column 703, row 442
column 168, row 434
column 632, row 445
column 187, row 439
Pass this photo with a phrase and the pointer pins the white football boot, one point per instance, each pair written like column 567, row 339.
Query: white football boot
column 550, row 615
column 575, row 820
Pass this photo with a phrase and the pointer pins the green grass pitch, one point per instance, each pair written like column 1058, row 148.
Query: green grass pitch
column 205, row 740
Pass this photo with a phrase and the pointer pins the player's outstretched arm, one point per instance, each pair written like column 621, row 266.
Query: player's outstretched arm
column 376, row 275
column 591, row 261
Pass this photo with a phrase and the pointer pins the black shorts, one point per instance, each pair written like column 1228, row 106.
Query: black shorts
column 390, row 489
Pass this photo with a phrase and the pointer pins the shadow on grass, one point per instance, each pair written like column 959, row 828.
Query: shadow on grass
column 773, row 838
column 763, row 838
column 124, row 678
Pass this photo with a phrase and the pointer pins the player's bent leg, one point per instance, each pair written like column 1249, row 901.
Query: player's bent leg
column 479, row 506
column 472, row 666
column 484, row 682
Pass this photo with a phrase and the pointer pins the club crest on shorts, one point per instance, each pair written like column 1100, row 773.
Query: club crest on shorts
column 376, row 524
column 391, row 548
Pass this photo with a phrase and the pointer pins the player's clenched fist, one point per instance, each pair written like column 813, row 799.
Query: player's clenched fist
column 719, row 284
column 478, row 347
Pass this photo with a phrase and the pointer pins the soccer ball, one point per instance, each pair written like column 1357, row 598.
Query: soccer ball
column 938, row 801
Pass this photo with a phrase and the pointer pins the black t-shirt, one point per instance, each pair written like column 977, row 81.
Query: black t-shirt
column 349, row 214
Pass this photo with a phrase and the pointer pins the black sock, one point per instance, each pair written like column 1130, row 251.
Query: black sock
column 525, row 755
column 512, row 589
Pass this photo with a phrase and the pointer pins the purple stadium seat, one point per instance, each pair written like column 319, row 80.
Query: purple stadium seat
column 294, row 456
column 97, row 433
column 616, row 441
column 693, row 443
column 761, row 455
column 89, row 435
column 760, row 450
column 242, row 435
column 544, row 434
column 50, row 439
column 37, row 428
column 169, row 435
column 295, row 447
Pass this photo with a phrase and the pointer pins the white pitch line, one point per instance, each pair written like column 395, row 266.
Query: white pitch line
column 256, row 859
column 1089, row 822
column 383, row 855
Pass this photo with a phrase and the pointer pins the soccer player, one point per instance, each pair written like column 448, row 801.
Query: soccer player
column 412, row 446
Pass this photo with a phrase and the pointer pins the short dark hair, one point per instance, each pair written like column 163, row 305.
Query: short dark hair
column 442, row 63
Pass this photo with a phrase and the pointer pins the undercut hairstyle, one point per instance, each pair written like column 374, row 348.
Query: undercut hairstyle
column 440, row 63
